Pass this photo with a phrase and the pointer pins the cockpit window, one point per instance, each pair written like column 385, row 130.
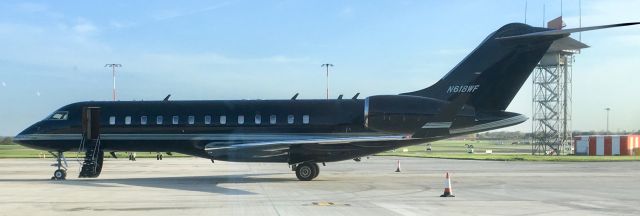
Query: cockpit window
column 59, row 115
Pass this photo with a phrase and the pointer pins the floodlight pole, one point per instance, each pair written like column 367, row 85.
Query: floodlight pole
column 327, row 65
column 113, row 72
column 607, row 109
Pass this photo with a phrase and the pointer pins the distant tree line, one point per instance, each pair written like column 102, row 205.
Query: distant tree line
column 504, row 135
column 6, row 141
column 517, row 135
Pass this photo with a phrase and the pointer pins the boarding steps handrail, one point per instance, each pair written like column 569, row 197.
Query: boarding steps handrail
column 92, row 164
column 80, row 150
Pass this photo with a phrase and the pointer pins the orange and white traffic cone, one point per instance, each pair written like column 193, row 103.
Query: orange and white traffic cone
column 448, row 192
column 398, row 167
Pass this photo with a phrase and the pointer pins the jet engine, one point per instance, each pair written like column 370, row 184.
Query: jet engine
column 399, row 113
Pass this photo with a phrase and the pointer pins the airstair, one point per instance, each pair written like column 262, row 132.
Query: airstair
column 90, row 144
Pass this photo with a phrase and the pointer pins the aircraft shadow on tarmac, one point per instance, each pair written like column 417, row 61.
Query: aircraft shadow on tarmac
column 209, row 184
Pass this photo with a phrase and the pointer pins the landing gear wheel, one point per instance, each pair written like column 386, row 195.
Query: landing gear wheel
column 59, row 174
column 317, row 170
column 306, row 171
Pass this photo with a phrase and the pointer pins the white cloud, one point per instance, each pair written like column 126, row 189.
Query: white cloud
column 84, row 26
column 120, row 24
column 38, row 10
column 215, row 58
column 4, row 84
column 54, row 44
column 347, row 11
column 176, row 13
column 32, row 7
column 282, row 59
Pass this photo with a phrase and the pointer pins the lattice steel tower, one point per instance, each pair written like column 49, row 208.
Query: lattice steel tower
column 551, row 129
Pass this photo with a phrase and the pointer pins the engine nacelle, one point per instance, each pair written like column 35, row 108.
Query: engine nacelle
column 400, row 113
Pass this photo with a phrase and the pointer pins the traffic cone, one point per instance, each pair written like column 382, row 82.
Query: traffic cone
column 448, row 192
column 398, row 168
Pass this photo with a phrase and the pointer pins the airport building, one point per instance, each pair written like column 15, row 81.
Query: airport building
column 607, row 145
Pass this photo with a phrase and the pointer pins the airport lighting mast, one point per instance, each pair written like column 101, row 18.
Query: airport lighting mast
column 327, row 65
column 113, row 70
column 608, row 110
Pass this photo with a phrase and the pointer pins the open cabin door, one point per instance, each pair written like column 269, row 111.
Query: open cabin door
column 91, row 122
column 94, row 156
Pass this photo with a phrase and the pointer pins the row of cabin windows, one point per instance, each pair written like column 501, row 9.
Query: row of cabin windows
column 207, row 120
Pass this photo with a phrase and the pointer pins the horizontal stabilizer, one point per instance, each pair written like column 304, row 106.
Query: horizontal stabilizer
column 566, row 31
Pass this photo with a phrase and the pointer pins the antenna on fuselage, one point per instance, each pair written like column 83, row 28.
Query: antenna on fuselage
column 340, row 97
column 355, row 96
column 295, row 96
column 167, row 97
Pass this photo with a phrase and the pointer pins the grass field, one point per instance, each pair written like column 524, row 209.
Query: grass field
column 451, row 149
column 501, row 151
column 458, row 147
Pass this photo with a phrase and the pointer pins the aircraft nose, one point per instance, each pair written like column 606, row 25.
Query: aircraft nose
column 25, row 134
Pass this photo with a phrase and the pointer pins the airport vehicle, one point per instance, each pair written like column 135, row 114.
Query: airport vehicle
column 471, row 98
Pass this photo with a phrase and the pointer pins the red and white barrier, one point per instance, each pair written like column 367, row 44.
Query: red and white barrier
column 607, row 145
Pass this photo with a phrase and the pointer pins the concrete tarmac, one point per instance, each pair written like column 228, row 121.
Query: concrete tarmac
column 192, row 186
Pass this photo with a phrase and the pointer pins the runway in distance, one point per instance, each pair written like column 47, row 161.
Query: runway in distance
column 470, row 98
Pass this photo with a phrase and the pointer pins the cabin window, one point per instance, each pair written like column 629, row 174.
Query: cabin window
column 258, row 119
column 290, row 119
column 272, row 119
column 240, row 119
column 223, row 119
column 127, row 120
column 207, row 119
column 159, row 120
column 112, row 120
column 175, row 120
column 192, row 119
column 143, row 120
column 305, row 119
column 59, row 115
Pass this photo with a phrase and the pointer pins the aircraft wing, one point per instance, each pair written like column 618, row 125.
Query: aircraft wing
column 277, row 149
column 320, row 141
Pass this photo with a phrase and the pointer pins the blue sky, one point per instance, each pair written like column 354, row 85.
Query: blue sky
column 53, row 52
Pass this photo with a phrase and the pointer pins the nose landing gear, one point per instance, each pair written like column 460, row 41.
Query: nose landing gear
column 61, row 172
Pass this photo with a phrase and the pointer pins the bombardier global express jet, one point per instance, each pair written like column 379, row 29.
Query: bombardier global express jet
column 471, row 98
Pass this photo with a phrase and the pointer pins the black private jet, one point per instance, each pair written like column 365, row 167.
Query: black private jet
column 471, row 98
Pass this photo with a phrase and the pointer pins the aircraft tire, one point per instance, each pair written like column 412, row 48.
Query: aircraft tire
column 59, row 174
column 306, row 171
column 317, row 170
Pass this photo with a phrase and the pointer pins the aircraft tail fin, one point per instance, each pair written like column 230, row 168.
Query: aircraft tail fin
column 496, row 70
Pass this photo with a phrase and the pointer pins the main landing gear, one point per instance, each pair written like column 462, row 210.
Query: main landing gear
column 306, row 171
column 61, row 172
